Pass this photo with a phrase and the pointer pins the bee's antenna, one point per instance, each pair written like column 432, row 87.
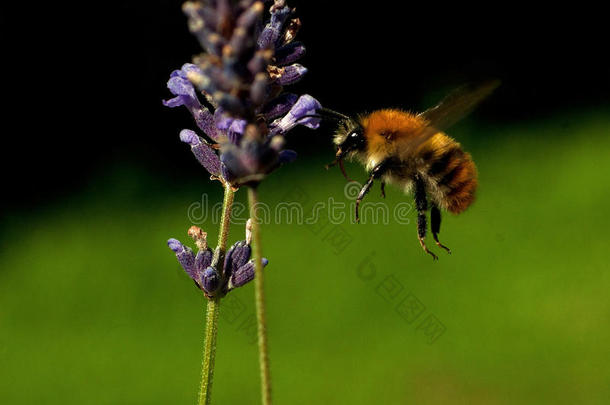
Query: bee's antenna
column 333, row 114
column 325, row 113
column 318, row 116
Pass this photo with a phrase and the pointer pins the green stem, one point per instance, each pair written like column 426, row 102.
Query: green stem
column 213, row 305
column 209, row 351
column 259, row 292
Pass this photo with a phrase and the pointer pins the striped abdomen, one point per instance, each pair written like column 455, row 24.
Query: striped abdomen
column 452, row 177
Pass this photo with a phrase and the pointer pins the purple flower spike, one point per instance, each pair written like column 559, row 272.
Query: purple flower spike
column 185, row 257
column 202, row 151
column 244, row 274
column 241, row 76
column 298, row 114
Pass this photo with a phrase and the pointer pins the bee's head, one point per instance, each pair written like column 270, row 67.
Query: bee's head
column 349, row 138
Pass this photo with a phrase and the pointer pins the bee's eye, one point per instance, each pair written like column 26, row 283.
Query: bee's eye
column 353, row 141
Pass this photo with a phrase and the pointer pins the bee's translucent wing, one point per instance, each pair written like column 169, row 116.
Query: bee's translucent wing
column 459, row 103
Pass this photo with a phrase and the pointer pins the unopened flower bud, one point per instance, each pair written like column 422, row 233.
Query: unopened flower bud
column 185, row 257
column 202, row 151
column 289, row 53
column 292, row 74
column 210, row 280
column 244, row 274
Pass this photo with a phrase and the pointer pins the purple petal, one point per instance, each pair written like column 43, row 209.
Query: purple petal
column 185, row 70
column 189, row 68
column 180, row 86
column 186, row 95
column 175, row 102
column 202, row 151
column 305, row 105
column 238, row 126
column 232, row 127
column 178, row 73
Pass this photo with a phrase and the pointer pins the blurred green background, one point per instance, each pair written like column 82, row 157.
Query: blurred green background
column 95, row 309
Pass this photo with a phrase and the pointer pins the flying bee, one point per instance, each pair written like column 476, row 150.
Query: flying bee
column 412, row 152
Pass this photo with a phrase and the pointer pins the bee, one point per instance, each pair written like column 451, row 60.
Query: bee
column 412, row 152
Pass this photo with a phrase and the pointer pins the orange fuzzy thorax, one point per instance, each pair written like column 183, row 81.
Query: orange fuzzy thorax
column 387, row 129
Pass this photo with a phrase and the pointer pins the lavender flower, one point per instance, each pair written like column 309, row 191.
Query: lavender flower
column 238, row 268
column 235, row 91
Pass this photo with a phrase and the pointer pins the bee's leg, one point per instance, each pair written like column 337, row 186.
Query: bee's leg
column 383, row 189
column 421, row 203
column 365, row 189
column 435, row 226
column 376, row 173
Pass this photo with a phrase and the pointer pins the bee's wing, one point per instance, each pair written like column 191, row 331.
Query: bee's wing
column 458, row 104
column 455, row 106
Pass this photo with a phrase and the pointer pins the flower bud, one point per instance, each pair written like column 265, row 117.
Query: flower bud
column 244, row 274
column 236, row 257
column 289, row 53
column 271, row 33
column 210, row 280
column 202, row 151
column 292, row 74
column 185, row 257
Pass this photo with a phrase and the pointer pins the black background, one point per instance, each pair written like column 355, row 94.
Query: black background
column 83, row 83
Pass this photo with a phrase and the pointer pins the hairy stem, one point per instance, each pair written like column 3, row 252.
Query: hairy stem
column 209, row 351
column 259, row 292
column 213, row 305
